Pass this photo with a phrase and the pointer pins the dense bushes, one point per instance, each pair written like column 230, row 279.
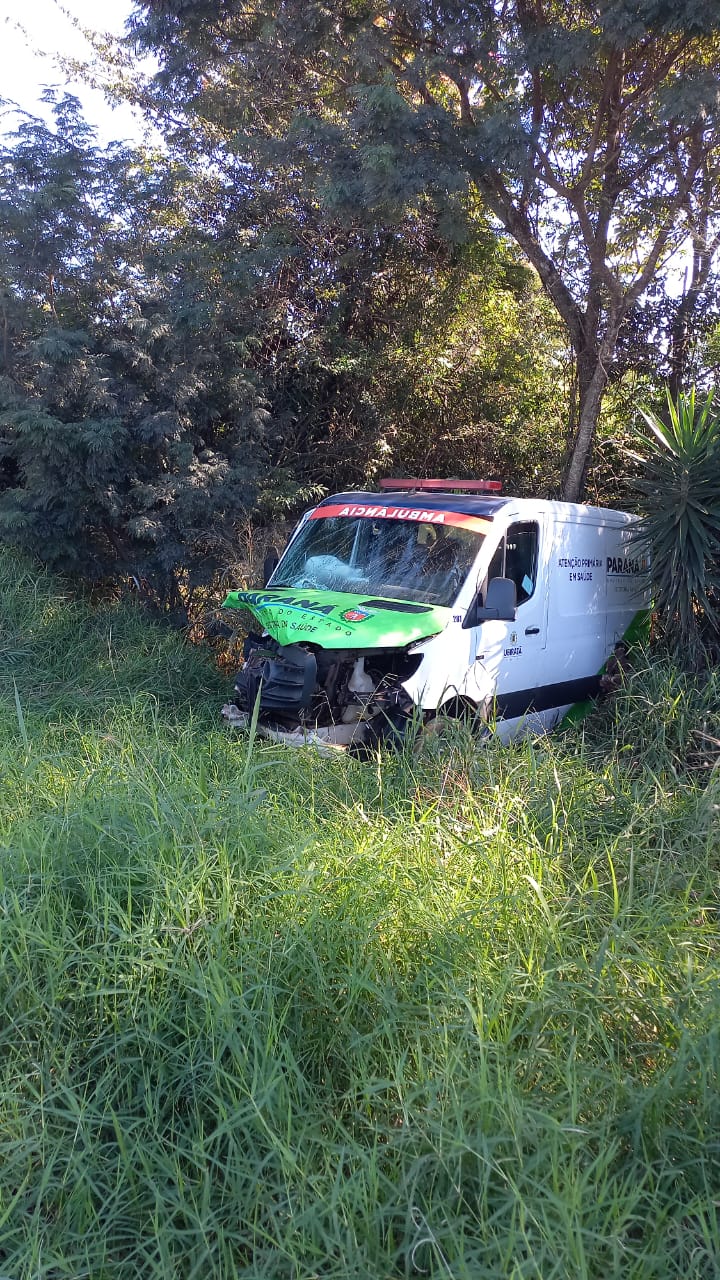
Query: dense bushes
column 186, row 342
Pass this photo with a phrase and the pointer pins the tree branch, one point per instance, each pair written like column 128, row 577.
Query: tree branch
column 516, row 223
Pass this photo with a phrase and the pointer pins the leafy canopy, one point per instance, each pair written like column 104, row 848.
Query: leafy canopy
column 590, row 131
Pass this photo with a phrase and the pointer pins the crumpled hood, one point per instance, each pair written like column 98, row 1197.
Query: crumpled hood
column 339, row 619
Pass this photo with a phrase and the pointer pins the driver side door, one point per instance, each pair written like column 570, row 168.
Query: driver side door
column 508, row 655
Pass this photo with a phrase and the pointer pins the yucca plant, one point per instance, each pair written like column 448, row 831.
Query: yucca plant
column 679, row 489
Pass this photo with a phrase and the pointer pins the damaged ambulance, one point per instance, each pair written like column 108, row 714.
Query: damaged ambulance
column 436, row 597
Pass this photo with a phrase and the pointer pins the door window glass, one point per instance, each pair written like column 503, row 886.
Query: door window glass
column 517, row 557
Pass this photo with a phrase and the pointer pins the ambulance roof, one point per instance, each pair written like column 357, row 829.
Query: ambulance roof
column 467, row 504
column 483, row 505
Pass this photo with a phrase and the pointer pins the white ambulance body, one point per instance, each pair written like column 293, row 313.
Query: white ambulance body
column 428, row 598
column 581, row 584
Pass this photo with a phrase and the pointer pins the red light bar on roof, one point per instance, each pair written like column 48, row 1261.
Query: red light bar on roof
column 468, row 486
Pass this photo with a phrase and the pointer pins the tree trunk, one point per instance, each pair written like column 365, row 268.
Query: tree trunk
column 592, row 380
column 594, row 362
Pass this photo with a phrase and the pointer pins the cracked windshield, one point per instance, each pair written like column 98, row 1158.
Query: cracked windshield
column 399, row 559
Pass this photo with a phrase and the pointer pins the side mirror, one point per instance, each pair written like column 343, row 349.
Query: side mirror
column 500, row 604
column 270, row 564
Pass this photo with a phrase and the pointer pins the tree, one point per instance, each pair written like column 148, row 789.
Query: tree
column 132, row 431
column 387, row 353
column 587, row 128
column 188, row 338
column 410, row 352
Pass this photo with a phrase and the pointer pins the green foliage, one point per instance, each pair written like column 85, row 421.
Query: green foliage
column 590, row 136
column 680, row 505
column 132, row 431
column 196, row 340
column 482, row 388
column 267, row 1014
column 421, row 355
column 308, row 288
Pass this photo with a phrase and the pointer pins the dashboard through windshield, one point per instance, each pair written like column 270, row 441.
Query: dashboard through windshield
column 401, row 559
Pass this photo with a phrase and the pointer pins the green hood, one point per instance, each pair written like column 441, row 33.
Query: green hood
column 338, row 619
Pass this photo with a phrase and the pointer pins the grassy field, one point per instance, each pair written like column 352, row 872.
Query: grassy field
column 271, row 1015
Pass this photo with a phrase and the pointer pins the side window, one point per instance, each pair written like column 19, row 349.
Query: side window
column 517, row 558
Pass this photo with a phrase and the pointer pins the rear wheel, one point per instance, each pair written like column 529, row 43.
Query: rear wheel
column 458, row 722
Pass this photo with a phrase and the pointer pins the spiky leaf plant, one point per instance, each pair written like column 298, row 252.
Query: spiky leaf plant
column 679, row 490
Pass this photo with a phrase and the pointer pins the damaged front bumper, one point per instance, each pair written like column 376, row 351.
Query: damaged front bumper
column 327, row 739
column 329, row 668
column 333, row 701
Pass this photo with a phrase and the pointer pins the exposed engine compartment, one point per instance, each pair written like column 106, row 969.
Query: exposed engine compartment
column 339, row 697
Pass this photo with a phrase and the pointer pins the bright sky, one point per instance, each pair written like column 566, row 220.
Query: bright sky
column 33, row 32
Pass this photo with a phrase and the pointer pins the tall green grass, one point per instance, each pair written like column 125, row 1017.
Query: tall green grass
column 271, row 1015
